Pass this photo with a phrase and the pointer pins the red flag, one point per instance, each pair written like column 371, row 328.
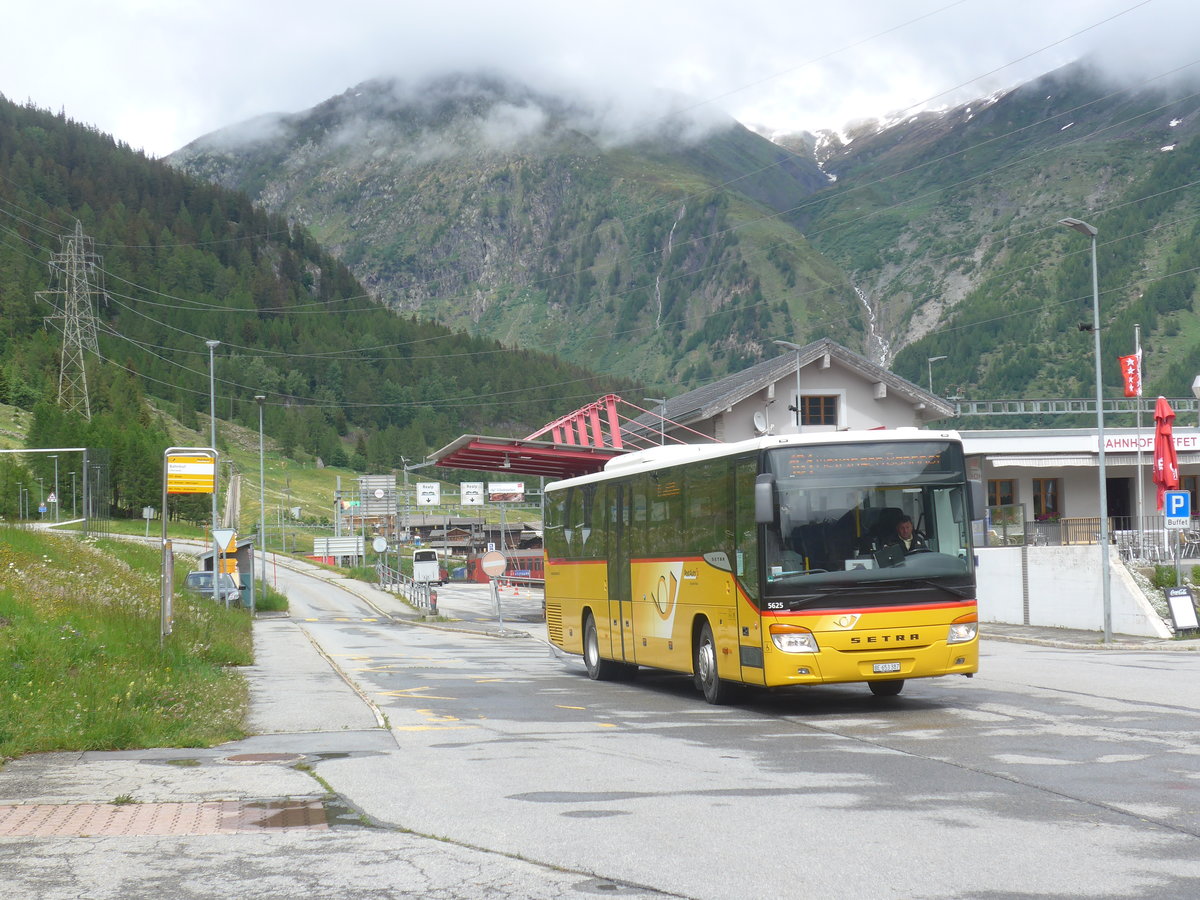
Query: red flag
column 1131, row 373
column 1166, row 466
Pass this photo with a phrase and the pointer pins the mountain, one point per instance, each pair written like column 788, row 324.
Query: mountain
column 172, row 262
column 657, row 252
column 948, row 223
column 677, row 253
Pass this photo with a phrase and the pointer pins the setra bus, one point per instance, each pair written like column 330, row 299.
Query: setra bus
column 769, row 562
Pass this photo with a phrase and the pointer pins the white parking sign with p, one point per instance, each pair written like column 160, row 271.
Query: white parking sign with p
column 1177, row 508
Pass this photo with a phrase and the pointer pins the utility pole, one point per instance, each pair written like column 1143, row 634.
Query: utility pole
column 77, row 271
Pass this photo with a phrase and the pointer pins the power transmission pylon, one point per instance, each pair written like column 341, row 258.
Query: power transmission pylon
column 77, row 274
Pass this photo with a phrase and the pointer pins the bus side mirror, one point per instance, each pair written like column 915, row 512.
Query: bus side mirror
column 764, row 499
column 978, row 500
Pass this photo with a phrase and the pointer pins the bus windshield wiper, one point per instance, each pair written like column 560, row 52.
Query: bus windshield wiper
column 957, row 592
column 801, row 602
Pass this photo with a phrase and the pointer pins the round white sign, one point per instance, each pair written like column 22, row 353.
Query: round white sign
column 493, row 563
column 380, row 544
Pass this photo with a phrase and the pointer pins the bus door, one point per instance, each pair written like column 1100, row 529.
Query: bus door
column 746, row 573
column 620, row 600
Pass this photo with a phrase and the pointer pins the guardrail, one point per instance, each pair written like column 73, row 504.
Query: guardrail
column 420, row 594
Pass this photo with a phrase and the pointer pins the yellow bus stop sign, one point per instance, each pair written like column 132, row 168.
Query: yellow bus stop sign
column 191, row 474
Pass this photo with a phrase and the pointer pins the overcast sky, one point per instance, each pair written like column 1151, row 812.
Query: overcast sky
column 160, row 73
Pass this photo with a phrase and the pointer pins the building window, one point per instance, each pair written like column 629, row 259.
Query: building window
column 1188, row 483
column 818, row 410
column 1047, row 499
column 1002, row 492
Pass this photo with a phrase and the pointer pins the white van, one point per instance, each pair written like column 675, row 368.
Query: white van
column 426, row 567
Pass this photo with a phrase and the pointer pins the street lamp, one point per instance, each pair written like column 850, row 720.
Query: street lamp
column 212, row 409
column 662, row 417
column 931, row 360
column 1106, row 589
column 262, row 503
column 797, row 348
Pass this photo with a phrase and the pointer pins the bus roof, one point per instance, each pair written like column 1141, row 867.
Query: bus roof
column 665, row 457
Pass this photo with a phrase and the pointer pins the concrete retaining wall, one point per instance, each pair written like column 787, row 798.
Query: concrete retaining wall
column 1060, row 587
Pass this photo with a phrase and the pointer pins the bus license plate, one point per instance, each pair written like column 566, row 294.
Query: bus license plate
column 886, row 667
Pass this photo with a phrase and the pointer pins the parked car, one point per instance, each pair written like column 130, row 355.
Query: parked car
column 201, row 583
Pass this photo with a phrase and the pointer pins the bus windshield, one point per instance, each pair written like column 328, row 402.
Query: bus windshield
column 862, row 515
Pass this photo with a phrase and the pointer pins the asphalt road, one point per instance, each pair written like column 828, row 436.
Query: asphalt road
column 1053, row 772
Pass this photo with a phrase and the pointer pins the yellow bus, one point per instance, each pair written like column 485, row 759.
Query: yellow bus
column 769, row 562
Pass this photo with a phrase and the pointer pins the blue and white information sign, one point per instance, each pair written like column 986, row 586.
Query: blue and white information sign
column 1177, row 508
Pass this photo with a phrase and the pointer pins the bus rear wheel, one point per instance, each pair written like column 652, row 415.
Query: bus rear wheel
column 716, row 691
column 598, row 668
column 886, row 688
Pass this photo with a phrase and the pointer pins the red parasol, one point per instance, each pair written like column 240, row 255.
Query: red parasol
column 1166, row 465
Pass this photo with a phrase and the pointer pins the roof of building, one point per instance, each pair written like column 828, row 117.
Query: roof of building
column 707, row 401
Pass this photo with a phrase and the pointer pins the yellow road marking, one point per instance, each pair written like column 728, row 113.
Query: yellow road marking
column 431, row 727
column 430, row 714
column 560, row 706
column 414, row 694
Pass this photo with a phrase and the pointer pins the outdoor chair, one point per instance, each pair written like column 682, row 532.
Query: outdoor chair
column 1191, row 545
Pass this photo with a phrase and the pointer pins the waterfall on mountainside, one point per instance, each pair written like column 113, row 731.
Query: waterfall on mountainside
column 666, row 256
column 878, row 349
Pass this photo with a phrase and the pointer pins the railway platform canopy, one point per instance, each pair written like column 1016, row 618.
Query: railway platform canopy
column 511, row 456
column 578, row 443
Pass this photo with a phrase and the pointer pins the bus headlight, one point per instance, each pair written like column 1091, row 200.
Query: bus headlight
column 794, row 639
column 963, row 629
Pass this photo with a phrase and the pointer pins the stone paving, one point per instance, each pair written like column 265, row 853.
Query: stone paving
column 162, row 819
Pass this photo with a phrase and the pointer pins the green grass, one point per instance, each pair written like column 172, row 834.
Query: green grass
column 80, row 663
column 271, row 601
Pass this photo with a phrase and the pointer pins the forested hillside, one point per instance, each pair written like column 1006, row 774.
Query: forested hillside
column 183, row 261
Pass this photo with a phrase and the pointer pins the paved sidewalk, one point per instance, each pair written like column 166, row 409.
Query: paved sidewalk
column 1077, row 639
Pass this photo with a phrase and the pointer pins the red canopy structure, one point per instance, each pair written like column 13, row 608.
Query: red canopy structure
column 1166, row 465
column 578, row 443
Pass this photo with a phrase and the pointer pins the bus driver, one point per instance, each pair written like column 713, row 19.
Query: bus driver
column 907, row 537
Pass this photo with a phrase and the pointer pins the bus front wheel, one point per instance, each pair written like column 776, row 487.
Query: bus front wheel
column 598, row 668
column 886, row 688
column 716, row 691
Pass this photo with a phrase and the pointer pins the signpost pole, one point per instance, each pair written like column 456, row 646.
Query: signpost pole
column 1177, row 515
column 493, row 564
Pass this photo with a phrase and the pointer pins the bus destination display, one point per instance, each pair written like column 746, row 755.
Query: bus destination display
column 902, row 459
